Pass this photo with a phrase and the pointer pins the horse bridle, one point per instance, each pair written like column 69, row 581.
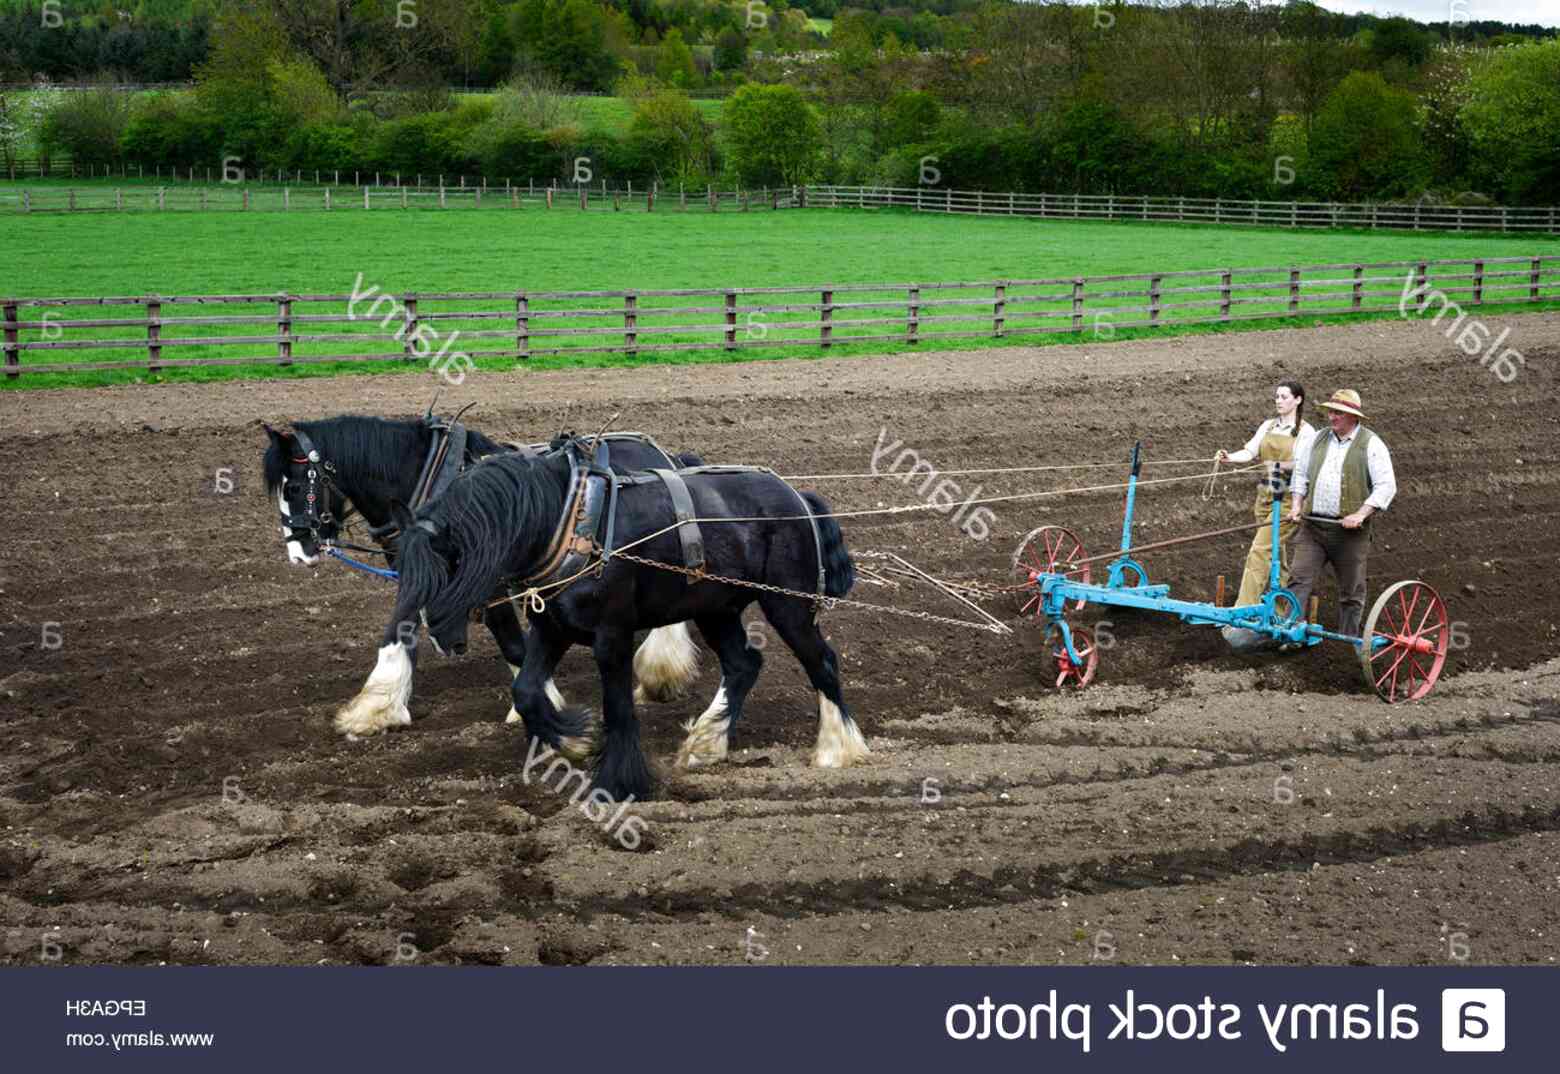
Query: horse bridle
column 318, row 476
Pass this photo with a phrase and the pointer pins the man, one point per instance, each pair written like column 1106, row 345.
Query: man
column 1342, row 477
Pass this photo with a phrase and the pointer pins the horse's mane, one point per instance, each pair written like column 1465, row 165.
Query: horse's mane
column 490, row 511
column 365, row 447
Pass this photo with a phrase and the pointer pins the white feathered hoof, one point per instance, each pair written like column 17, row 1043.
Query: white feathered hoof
column 381, row 703
column 666, row 665
column 840, row 744
column 708, row 735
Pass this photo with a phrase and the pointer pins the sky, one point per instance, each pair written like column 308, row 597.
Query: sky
column 1543, row 12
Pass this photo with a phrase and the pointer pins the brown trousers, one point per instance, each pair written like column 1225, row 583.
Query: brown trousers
column 1318, row 544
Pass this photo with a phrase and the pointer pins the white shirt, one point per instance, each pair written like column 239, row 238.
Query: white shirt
column 1254, row 445
column 1329, row 480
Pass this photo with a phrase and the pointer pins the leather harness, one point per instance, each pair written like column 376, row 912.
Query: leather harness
column 590, row 512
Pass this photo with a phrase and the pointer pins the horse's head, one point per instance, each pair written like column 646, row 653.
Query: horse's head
column 310, row 503
column 428, row 560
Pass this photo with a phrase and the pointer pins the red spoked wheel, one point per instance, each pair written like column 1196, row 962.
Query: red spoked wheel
column 1047, row 550
column 1068, row 671
column 1411, row 617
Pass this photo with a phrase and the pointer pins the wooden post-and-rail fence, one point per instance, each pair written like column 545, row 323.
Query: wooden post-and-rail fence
column 293, row 191
column 152, row 333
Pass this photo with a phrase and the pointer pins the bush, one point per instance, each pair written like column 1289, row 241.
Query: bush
column 669, row 140
column 171, row 129
column 510, row 149
column 323, row 147
column 89, row 125
column 1511, row 116
column 772, row 135
column 433, row 144
column 1365, row 142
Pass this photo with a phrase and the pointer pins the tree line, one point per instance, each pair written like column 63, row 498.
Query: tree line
column 1195, row 97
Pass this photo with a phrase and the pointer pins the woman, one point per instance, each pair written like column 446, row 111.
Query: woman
column 1275, row 442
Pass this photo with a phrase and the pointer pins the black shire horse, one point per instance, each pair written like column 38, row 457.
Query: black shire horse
column 367, row 463
column 498, row 520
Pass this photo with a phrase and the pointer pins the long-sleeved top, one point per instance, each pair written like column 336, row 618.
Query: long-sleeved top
column 1254, row 445
column 1329, row 480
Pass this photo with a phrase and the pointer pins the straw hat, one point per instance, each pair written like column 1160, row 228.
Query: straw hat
column 1345, row 401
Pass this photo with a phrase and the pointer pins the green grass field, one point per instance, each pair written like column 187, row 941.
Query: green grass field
column 500, row 249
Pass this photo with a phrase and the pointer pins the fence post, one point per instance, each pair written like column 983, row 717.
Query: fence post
column 999, row 303
column 246, row 198
column 286, row 199
column 1218, row 210
column 403, row 197
column 913, row 318
column 948, row 200
column 825, row 315
column 1294, row 290
column 629, row 321
column 202, row 199
column 1010, row 203
column 584, row 196
column 13, row 357
column 1478, row 283
column 549, row 197
column 1077, row 304
column 1359, row 285
column 1224, row 295
column 72, row 193
column 284, row 330
column 1416, row 216
column 327, row 199
column 980, row 203
column 1110, row 206
column 119, row 199
column 1294, row 214
column 153, row 334
column 1153, row 298
column 1180, row 207
column 443, row 203
column 514, row 197
column 26, row 200
column 731, row 320
column 1424, row 280
column 522, row 325
column 365, row 197
column 160, row 203
column 409, row 304
column 1533, row 275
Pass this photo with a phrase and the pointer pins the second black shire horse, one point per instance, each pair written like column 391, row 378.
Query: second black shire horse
column 498, row 521
column 367, row 463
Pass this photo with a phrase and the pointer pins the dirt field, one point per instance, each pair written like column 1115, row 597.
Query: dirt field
column 171, row 791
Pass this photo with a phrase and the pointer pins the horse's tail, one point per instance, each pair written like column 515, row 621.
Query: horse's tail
column 839, row 570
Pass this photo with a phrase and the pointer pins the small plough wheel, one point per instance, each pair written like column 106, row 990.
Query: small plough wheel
column 1068, row 672
column 1047, row 550
column 1411, row 616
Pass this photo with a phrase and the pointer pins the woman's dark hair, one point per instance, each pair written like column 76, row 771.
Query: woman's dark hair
column 1299, row 393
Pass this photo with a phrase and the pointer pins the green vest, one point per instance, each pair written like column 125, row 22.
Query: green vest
column 1356, row 471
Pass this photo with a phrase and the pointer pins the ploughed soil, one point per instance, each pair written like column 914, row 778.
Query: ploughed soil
column 171, row 789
